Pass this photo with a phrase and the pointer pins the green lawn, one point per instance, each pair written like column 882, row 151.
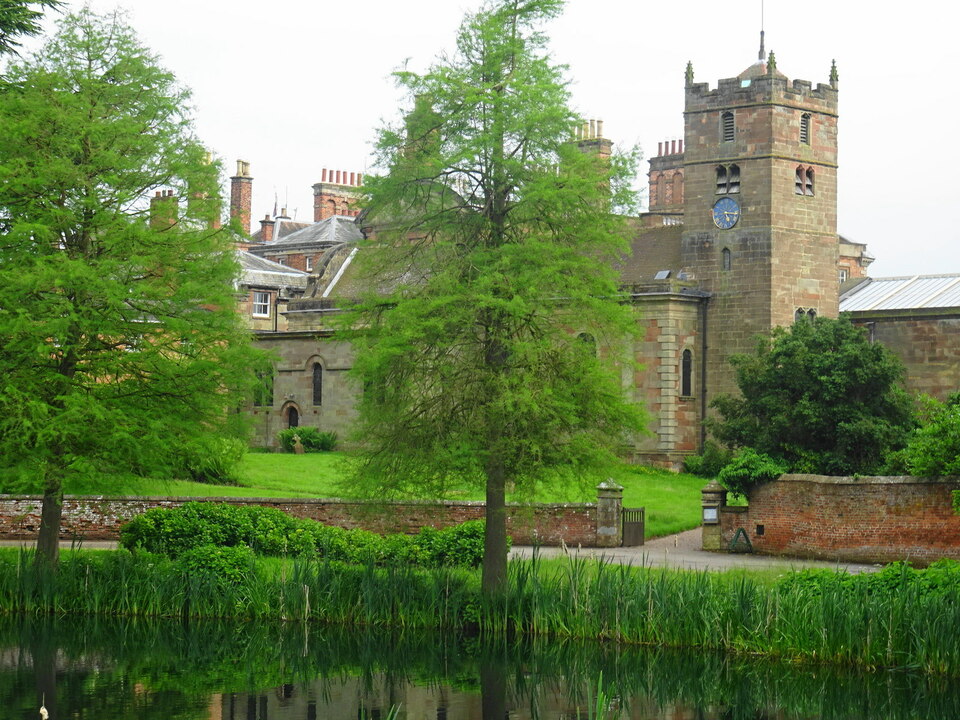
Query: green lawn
column 672, row 500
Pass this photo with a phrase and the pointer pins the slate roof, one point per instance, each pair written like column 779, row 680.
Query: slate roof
column 258, row 272
column 902, row 293
column 281, row 228
column 652, row 250
column 332, row 231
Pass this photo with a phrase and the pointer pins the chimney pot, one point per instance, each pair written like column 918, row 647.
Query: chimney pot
column 593, row 129
column 659, row 149
column 338, row 178
column 323, row 175
column 680, row 145
column 359, row 179
column 353, row 178
column 673, row 147
column 599, row 128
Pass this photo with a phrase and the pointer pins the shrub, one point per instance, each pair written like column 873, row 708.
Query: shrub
column 175, row 532
column 708, row 464
column 225, row 564
column 934, row 448
column 212, row 459
column 312, row 439
column 747, row 469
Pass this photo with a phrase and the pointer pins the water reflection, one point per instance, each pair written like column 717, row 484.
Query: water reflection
column 208, row 671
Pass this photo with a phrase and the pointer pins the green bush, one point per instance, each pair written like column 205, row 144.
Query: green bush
column 708, row 464
column 312, row 439
column 212, row 459
column 941, row 578
column 934, row 448
column 223, row 564
column 175, row 532
column 747, row 469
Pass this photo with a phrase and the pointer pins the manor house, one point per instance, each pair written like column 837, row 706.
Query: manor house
column 740, row 237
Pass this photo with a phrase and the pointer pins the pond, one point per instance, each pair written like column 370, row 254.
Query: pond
column 113, row 670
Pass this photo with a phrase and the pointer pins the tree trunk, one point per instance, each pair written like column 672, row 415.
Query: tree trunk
column 495, row 537
column 51, row 512
column 493, row 688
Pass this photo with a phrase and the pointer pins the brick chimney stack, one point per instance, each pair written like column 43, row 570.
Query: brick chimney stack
column 266, row 229
column 163, row 210
column 336, row 193
column 241, row 196
column 589, row 137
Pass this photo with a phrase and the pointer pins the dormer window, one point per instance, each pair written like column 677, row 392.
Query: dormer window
column 727, row 127
column 805, row 128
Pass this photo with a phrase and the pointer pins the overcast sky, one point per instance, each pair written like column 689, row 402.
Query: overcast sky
column 294, row 86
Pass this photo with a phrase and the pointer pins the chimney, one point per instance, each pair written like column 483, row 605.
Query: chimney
column 591, row 140
column 241, row 196
column 163, row 210
column 266, row 229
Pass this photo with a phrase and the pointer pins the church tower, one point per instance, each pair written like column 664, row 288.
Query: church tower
column 760, row 205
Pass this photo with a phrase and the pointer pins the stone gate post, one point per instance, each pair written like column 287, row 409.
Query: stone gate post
column 712, row 498
column 609, row 506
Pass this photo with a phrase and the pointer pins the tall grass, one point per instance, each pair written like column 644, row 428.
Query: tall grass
column 830, row 624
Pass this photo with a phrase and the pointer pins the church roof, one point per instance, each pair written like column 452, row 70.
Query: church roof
column 259, row 272
column 902, row 293
column 282, row 227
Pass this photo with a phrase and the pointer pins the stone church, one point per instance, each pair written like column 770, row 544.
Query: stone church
column 740, row 237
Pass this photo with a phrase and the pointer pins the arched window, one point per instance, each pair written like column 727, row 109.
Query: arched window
column 798, row 181
column 721, row 180
column 727, row 127
column 659, row 189
column 686, row 374
column 293, row 417
column 727, row 260
column 799, row 315
column 805, row 128
column 317, row 384
column 808, row 184
column 811, row 314
column 733, row 181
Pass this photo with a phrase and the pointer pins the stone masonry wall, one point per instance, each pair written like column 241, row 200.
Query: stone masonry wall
column 873, row 519
column 99, row 518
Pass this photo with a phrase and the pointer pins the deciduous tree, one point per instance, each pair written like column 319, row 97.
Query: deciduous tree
column 119, row 339
column 819, row 396
column 493, row 261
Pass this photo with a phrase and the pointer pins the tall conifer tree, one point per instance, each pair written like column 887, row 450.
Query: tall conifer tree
column 119, row 339
column 490, row 348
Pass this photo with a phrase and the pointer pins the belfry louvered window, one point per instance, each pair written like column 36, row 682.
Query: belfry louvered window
column 798, row 182
column 727, row 127
column 728, row 179
column 805, row 128
column 808, row 182
column 721, row 180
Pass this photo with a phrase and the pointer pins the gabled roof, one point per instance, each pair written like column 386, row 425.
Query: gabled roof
column 258, row 272
column 902, row 293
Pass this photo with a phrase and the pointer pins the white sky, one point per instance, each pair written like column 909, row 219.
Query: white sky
column 294, row 86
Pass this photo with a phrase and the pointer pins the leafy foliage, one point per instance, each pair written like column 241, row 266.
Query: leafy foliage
column 193, row 528
column 19, row 18
column 312, row 439
column 710, row 462
column 940, row 578
column 493, row 240
column 819, row 397
column 934, row 447
column 218, row 563
column 747, row 468
column 119, row 340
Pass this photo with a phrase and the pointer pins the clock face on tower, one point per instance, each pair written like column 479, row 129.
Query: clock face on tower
column 726, row 213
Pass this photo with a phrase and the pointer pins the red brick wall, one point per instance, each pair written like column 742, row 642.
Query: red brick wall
column 99, row 518
column 873, row 519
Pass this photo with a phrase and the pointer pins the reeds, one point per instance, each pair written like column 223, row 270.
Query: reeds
column 833, row 623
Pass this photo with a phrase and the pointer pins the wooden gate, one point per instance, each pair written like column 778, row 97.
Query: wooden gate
column 633, row 525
